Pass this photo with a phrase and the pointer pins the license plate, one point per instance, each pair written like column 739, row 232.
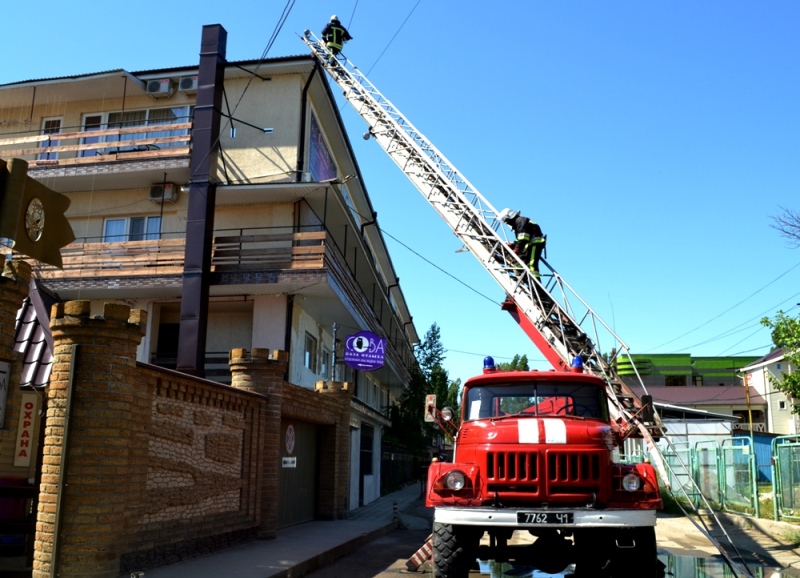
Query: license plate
column 545, row 518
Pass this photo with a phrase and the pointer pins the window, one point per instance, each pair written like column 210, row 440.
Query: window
column 536, row 399
column 325, row 370
column 310, row 353
column 132, row 229
column 50, row 126
column 135, row 118
column 675, row 380
column 320, row 161
column 91, row 122
column 782, row 405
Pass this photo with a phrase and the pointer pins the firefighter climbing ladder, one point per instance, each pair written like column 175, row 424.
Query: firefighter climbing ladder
column 552, row 314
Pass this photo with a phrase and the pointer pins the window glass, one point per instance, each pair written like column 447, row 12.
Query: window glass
column 92, row 122
column 536, row 399
column 114, row 231
column 132, row 229
column 320, row 161
column 50, row 126
column 310, row 353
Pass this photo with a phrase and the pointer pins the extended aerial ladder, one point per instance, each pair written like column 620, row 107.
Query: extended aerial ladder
column 559, row 322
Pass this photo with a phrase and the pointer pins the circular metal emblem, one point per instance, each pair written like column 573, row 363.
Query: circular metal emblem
column 34, row 219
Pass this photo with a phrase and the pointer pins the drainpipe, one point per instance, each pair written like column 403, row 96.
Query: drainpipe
column 202, row 198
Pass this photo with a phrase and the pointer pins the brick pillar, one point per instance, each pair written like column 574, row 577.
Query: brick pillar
column 334, row 499
column 13, row 291
column 261, row 373
column 95, row 467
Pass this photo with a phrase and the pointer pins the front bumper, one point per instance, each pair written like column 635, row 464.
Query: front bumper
column 507, row 517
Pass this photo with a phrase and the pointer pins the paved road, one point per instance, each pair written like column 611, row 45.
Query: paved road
column 683, row 548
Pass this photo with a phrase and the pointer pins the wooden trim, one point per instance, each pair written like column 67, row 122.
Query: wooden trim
column 170, row 152
column 94, row 133
column 99, row 145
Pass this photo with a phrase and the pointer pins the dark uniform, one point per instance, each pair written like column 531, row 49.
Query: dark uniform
column 335, row 35
column 529, row 242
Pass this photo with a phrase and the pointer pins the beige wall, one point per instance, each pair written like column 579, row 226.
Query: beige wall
column 253, row 156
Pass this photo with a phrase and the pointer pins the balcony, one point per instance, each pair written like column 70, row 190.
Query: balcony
column 259, row 261
column 130, row 157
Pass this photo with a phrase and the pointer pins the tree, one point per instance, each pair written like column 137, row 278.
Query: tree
column 428, row 376
column 516, row 364
column 786, row 335
column 787, row 223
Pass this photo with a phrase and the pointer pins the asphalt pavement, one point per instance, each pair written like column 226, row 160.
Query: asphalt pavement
column 301, row 549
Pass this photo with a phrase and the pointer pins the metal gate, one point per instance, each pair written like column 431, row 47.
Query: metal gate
column 786, row 476
column 707, row 471
column 297, row 477
column 738, row 483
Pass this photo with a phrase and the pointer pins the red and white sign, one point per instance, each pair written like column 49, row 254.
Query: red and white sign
column 23, row 450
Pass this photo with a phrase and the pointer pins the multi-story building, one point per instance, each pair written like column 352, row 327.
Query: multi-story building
column 225, row 200
column 781, row 417
column 707, row 384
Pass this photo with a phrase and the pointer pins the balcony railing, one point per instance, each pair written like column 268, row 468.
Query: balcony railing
column 166, row 256
column 71, row 148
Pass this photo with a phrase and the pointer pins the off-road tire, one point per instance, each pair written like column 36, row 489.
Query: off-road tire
column 454, row 550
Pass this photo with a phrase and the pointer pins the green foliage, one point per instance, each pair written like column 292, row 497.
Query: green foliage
column 786, row 335
column 516, row 364
column 409, row 427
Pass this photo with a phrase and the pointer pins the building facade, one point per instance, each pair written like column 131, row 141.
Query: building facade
column 710, row 385
column 225, row 201
column 781, row 411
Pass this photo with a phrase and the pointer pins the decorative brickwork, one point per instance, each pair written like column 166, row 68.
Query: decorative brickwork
column 92, row 405
column 261, row 373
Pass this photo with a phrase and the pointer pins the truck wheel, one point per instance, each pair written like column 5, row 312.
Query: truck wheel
column 454, row 550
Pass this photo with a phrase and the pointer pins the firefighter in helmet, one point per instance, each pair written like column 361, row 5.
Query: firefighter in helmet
column 335, row 35
column 529, row 242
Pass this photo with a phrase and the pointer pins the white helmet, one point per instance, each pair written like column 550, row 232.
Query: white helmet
column 507, row 215
column 334, row 17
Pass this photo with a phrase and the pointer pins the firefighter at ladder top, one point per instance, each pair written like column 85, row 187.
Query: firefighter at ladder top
column 529, row 241
column 335, row 35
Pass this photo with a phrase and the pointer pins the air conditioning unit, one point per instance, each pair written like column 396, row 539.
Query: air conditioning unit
column 188, row 84
column 159, row 87
column 163, row 193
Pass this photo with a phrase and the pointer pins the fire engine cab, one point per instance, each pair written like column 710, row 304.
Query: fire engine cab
column 536, row 452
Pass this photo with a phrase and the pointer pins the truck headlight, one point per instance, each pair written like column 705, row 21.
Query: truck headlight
column 631, row 483
column 455, row 480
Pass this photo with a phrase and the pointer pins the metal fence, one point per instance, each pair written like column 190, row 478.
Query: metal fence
column 730, row 478
column 786, row 477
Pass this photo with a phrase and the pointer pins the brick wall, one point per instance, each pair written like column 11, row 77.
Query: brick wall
column 145, row 466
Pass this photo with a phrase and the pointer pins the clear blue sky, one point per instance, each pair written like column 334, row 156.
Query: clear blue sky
column 653, row 141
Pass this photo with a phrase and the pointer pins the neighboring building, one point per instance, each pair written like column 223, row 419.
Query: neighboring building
column 298, row 261
column 780, row 415
column 711, row 385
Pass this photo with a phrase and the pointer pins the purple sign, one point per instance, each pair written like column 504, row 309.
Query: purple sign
column 364, row 351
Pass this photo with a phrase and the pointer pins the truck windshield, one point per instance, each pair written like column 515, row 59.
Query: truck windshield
column 536, row 399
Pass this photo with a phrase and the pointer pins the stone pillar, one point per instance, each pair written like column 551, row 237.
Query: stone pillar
column 261, row 373
column 83, row 533
column 14, row 286
column 335, row 452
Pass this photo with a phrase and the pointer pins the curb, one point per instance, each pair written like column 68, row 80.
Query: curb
column 331, row 555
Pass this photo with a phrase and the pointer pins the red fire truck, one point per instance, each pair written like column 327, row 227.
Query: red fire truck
column 537, row 453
